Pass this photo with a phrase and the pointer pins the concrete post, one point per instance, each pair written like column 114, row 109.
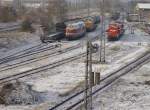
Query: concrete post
column 97, row 78
column 92, row 79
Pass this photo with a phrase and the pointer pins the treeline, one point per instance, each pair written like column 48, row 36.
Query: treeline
column 56, row 11
column 7, row 14
column 110, row 5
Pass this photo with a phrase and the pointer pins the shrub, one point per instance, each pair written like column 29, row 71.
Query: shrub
column 27, row 25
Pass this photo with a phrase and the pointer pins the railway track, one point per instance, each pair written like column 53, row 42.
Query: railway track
column 27, row 52
column 127, row 68
column 23, row 51
column 46, row 67
column 40, row 69
column 10, row 28
column 78, row 98
column 31, row 60
column 32, row 51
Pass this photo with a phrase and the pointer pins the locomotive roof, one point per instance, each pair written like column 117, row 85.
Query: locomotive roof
column 76, row 23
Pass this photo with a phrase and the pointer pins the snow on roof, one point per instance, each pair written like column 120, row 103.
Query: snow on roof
column 143, row 5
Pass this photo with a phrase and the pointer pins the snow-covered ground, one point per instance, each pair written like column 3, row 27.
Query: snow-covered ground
column 16, row 41
column 131, row 92
column 60, row 81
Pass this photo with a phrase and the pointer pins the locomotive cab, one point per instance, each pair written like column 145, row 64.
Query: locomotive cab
column 115, row 30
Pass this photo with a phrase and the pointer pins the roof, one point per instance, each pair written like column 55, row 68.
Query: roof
column 143, row 5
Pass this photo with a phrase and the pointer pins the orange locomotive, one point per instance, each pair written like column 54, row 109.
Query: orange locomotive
column 115, row 31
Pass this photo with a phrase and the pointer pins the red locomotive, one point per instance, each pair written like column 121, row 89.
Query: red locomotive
column 115, row 30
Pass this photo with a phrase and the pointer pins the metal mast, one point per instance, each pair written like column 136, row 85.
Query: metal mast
column 43, row 4
column 102, row 38
column 88, row 13
column 88, row 72
column 88, row 8
column 88, row 78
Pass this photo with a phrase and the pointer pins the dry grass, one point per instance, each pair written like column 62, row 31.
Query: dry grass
column 79, row 85
column 44, row 106
column 115, row 48
column 13, row 34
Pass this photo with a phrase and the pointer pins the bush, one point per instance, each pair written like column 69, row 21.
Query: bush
column 115, row 48
column 27, row 25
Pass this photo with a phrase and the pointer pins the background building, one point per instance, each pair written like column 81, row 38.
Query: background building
column 6, row 2
column 144, row 11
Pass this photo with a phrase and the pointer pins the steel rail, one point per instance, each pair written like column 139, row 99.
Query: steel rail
column 107, row 84
column 40, row 69
column 105, row 78
column 29, row 53
column 32, row 60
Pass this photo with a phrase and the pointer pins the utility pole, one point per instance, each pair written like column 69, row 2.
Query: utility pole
column 88, row 8
column 102, row 37
column 76, row 7
column 0, row 3
column 87, row 65
column 88, row 78
column 17, row 4
column 43, row 4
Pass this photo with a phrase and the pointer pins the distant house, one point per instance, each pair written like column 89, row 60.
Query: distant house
column 143, row 10
column 6, row 2
column 143, row 6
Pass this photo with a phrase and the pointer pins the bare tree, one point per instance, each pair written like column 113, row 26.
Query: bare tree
column 7, row 14
column 57, row 10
